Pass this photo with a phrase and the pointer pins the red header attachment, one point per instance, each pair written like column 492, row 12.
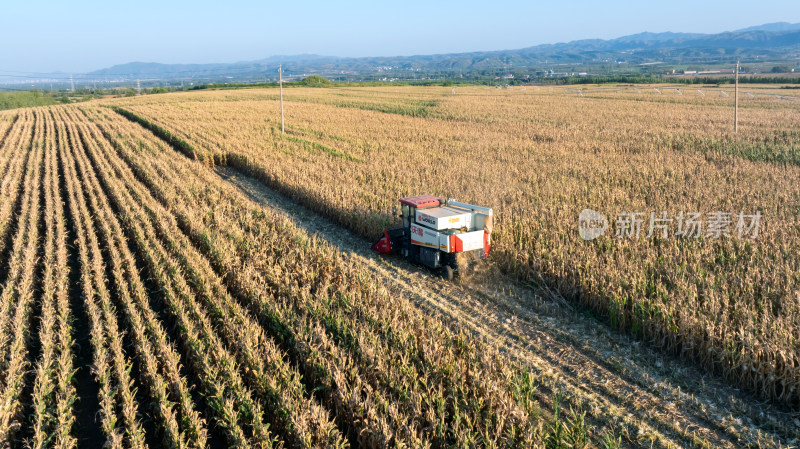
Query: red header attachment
column 384, row 245
column 421, row 201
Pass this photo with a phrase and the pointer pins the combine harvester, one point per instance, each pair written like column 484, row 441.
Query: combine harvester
column 436, row 231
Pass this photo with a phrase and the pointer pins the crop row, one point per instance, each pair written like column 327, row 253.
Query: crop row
column 54, row 392
column 17, row 297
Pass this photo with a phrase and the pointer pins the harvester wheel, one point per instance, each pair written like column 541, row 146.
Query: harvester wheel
column 447, row 272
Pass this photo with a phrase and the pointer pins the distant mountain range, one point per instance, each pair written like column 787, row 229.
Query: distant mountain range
column 773, row 41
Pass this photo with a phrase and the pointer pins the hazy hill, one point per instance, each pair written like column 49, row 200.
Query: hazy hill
column 776, row 26
column 768, row 41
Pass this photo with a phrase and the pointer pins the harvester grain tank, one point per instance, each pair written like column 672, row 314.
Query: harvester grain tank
column 436, row 231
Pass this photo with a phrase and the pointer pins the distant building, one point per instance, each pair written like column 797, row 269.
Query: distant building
column 706, row 72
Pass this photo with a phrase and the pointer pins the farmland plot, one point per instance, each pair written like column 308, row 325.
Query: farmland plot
column 210, row 321
column 724, row 295
column 158, row 291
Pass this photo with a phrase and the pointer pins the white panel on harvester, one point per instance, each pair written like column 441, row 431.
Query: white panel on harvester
column 444, row 218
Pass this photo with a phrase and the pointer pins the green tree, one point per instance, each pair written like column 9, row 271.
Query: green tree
column 315, row 81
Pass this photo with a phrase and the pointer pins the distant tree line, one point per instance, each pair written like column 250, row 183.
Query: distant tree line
column 749, row 79
column 25, row 99
column 31, row 98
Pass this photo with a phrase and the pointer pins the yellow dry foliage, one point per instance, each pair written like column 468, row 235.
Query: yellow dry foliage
column 539, row 156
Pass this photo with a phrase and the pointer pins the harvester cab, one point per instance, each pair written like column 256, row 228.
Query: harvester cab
column 436, row 231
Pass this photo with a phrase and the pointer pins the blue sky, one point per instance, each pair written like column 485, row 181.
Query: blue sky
column 80, row 36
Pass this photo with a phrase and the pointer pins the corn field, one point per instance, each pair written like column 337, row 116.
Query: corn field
column 539, row 156
column 147, row 302
column 205, row 321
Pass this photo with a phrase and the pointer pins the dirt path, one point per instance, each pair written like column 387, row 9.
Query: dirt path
column 647, row 398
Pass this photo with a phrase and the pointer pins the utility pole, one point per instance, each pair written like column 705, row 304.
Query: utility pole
column 736, row 101
column 280, row 80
